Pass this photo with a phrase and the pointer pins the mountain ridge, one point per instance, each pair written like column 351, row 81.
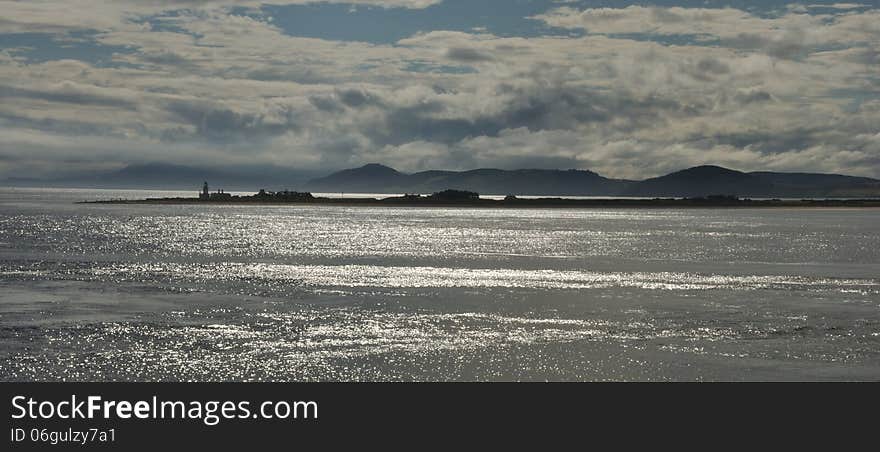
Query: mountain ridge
column 698, row 181
column 703, row 180
column 481, row 180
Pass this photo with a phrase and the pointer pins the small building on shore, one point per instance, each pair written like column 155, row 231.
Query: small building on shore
column 206, row 195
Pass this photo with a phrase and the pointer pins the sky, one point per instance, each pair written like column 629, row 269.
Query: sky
column 626, row 89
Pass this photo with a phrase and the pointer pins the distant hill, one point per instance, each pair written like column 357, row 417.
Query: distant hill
column 698, row 181
column 709, row 180
column 702, row 181
column 375, row 178
column 830, row 185
column 364, row 180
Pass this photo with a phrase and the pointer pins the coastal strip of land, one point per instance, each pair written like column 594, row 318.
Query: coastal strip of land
column 456, row 198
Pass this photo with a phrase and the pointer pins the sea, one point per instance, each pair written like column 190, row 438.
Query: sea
column 123, row 292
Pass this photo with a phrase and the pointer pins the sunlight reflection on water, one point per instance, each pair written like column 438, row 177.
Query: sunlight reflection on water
column 322, row 293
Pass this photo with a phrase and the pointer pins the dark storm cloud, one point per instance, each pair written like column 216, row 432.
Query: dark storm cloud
column 868, row 56
column 343, row 99
column 753, row 97
column 769, row 143
column 166, row 58
column 706, row 69
column 302, row 75
column 72, row 127
column 467, row 55
column 790, row 46
column 223, row 124
column 713, row 66
column 327, row 104
column 67, row 94
column 413, row 123
column 538, row 107
column 356, row 98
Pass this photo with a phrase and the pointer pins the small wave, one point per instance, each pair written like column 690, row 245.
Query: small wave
column 266, row 279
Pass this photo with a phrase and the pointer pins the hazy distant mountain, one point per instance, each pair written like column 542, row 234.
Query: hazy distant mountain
column 692, row 182
column 159, row 175
column 375, row 178
column 179, row 177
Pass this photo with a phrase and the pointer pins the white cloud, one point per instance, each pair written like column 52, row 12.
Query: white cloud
column 51, row 16
column 789, row 35
column 231, row 89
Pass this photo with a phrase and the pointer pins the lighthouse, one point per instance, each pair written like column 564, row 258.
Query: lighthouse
column 204, row 195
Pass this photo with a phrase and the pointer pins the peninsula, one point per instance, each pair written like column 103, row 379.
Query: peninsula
column 461, row 198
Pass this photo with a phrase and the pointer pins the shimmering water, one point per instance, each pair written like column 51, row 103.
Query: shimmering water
column 139, row 292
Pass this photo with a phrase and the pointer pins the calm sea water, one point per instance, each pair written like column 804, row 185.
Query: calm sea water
column 125, row 292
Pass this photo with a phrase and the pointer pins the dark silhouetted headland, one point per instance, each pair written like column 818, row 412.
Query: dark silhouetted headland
column 462, row 198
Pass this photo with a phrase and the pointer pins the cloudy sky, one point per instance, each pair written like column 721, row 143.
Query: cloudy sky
column 625, row 89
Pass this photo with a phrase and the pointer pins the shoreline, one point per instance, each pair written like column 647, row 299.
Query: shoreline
column 514, row 203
